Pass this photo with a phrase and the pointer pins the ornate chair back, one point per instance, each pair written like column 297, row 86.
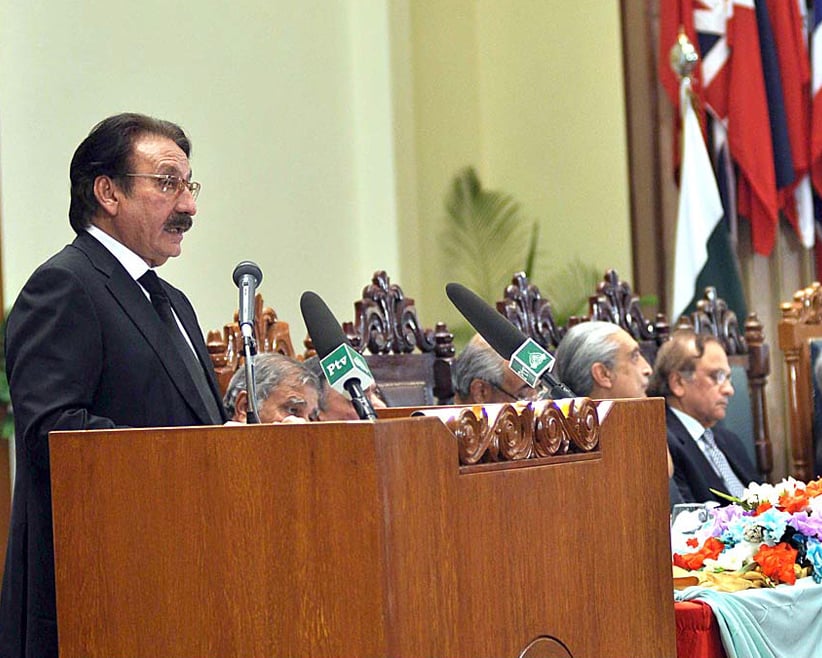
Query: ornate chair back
column 226, row 347
column 800, row 339
column 615, row 302
column 411, row 365
column 525, row 307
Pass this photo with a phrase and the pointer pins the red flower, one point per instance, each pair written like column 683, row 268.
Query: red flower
column 693, row 561
column 777, row 562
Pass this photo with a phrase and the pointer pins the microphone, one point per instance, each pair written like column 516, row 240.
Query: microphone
column 525, row 356
column 345, row 369
column 247, row 276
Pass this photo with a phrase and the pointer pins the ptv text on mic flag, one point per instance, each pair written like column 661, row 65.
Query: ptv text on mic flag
column 700, row 207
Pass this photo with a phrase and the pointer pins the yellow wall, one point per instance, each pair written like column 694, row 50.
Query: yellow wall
column 530, row 93
column 325, row 132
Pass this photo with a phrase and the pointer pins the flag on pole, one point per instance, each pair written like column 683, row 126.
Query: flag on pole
column 816, row 93
column 700, row 207
column 781, row 28
column 704, row 251
column 749, row 131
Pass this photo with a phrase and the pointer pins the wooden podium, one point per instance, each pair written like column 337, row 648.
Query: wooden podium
column 359, row 539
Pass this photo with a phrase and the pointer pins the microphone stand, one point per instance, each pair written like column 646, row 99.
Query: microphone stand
column 252, row 415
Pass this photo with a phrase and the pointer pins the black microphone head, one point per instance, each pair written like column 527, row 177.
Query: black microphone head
column 326, row 333
column 244, row 268
column 499, row 333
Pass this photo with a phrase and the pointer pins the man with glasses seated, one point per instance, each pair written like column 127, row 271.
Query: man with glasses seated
column 692, row 374
column 481, row 376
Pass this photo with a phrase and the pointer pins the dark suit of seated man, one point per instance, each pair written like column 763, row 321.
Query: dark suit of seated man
column 692, row 374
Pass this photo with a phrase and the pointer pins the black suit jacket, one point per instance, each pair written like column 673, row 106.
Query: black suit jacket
column 693, row 473
column 84, row 350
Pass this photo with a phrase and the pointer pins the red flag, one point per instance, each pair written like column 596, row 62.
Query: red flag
column 794, row 68
column 749, row 132
column 730, row 83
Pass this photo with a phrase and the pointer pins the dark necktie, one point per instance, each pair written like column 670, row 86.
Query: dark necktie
column 721, row 465
column 161, row 304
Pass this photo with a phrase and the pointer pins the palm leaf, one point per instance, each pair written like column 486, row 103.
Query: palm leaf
column 486, row 239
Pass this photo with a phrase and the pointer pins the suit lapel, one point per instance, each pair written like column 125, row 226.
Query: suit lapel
column 127, row 293
column 704, row 471
column 189, row 321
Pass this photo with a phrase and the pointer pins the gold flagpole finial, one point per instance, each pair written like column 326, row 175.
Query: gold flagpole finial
column 683, row 55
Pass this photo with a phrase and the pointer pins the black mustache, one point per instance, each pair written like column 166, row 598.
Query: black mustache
column 179, row 221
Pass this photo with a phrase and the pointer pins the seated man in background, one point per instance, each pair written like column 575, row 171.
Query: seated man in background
column 481, row 376
column 286, row 390
column 601, row 360
column 692, row 374
column 334, row 405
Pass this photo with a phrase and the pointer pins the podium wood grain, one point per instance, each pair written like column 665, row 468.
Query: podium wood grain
column 363, row 539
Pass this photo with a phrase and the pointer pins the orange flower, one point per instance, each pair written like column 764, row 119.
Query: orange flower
column 814, row 488
column 777, row 562
column 693, row 561
column 794, row 503
column 762, row 507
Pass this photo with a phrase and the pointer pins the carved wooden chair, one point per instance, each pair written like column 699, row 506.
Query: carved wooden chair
column 615, row 302
column 411, row 365
column 226, row 347
column 800, row 338
column 525, row 307
column 749, row 358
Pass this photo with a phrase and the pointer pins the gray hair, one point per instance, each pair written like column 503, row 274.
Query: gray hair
column 584, row 345
column 478, row 360
column 313, row 364
column 271, row 369
column 678, row 354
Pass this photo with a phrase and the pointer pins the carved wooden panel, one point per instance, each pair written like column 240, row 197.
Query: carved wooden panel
column 521, row 431
column 524, row 306
column 615, row 302
column 226, row 347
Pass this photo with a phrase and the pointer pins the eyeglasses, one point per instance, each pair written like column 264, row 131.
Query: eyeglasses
column 718, row 377
column 171, row 183
column 526, row 394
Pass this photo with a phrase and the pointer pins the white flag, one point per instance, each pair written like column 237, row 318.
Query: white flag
column 700, row 207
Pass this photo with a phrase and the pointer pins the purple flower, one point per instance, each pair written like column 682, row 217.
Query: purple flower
column 724, row 517
column 808, row 525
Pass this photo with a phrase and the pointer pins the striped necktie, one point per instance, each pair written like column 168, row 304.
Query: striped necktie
column 720, row 464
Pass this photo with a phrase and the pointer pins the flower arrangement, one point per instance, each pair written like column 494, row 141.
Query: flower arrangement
column 771, row 535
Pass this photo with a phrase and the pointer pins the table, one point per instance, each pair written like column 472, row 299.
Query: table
column 782, row 621
column 697, row 631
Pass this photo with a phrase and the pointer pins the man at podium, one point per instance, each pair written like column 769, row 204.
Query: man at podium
column 96, row 340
